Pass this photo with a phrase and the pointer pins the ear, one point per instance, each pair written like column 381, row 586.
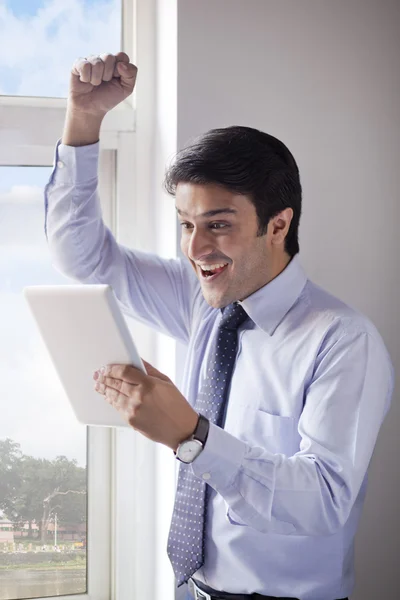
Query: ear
column 280, row 225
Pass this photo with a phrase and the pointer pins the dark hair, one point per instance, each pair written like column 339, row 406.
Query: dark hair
column 245, row 161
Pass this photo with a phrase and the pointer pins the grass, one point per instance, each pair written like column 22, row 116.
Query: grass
column 71, row 564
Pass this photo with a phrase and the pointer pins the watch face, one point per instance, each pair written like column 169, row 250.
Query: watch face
column 188, row 450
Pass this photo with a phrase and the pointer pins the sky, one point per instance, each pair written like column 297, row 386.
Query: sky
column 39, row 41
column 35, row 411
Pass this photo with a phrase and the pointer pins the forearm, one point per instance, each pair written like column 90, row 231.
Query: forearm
column 81, row 129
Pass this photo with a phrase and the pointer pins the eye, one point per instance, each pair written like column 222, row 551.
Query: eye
column 185, row 225
column 218, row 225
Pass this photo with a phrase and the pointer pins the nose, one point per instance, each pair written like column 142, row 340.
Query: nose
column 200, row 244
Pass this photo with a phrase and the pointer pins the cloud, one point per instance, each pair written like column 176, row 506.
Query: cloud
column 22, row 217
column 22, row 194
column 33, row 399
column 38, row 51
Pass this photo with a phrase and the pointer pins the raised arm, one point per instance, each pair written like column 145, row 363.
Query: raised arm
column 158, row 292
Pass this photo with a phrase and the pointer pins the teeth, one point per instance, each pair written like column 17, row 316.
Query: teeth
column 212, row 267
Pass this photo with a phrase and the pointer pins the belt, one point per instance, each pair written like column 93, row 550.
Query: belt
column 206, row 593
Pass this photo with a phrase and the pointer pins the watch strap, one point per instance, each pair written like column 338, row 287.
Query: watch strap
column 201, row 431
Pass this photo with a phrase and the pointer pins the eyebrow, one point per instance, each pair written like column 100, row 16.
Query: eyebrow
column 211, row 213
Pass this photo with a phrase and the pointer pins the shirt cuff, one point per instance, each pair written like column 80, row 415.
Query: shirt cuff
column 75, row 164
column 220, row 460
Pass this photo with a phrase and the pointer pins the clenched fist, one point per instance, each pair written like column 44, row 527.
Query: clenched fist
column 99, row 83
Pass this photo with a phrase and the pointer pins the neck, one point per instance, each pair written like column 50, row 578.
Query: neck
column 278, row 265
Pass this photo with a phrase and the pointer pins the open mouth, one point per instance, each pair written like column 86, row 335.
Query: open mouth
column 213, row 271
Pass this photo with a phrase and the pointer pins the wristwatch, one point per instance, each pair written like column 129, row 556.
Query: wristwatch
column 190, row 449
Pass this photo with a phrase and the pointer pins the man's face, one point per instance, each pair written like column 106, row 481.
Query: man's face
column 219, row 232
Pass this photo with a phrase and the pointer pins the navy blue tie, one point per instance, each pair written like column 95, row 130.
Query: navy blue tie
column 186, row 536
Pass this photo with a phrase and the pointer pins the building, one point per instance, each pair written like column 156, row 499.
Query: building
column 6, row 530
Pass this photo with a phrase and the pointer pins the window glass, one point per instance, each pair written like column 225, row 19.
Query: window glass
column 40, row 39
column 43, row 457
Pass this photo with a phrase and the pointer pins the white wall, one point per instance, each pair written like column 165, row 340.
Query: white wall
column 323, row 76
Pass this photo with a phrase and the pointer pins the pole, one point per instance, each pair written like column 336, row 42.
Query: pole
column 55, row 530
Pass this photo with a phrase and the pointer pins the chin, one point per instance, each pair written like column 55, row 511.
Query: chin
column 216, row 304
column 216, row 301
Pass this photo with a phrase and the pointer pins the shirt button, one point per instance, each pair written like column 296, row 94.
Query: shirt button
column 206, row 476
column 60, row 164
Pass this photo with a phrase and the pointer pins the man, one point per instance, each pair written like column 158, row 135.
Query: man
column 285, row 386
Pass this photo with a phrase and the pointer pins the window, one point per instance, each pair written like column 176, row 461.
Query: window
column 42, row 447
column 127, row 485
column 45, row 472
column 40, row 442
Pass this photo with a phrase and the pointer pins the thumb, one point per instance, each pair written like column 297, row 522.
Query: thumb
column 153, row 372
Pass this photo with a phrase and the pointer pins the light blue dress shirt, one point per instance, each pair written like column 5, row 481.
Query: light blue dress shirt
column 311, row 386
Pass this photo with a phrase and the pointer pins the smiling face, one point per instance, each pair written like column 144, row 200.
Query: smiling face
column 219, row 237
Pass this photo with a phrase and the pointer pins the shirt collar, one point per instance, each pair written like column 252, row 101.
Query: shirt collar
column 268, row 305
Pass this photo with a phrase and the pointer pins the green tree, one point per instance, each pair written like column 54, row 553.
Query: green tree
column 34, row 489
column 10, row 480
column 67, row 494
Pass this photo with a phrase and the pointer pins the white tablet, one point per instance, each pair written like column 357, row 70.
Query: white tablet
column 83, row 329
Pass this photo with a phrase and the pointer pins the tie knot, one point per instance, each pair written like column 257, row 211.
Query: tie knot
column 233, row 316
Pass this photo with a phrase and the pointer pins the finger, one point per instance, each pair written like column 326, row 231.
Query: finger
column 113, row 394
column 109, row 61
column 121, row 57
column 127, row 73
column 115, row 398
column 126, row 404
column 97, row 70
column 118, row 384
column 153, row 372
column 127, row 373
column 82, row 69
column 113, row 389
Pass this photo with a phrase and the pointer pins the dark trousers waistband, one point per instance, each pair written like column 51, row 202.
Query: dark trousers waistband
column 219, row 595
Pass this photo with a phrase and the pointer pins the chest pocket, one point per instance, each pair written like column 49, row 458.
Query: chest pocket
column 256, row 427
